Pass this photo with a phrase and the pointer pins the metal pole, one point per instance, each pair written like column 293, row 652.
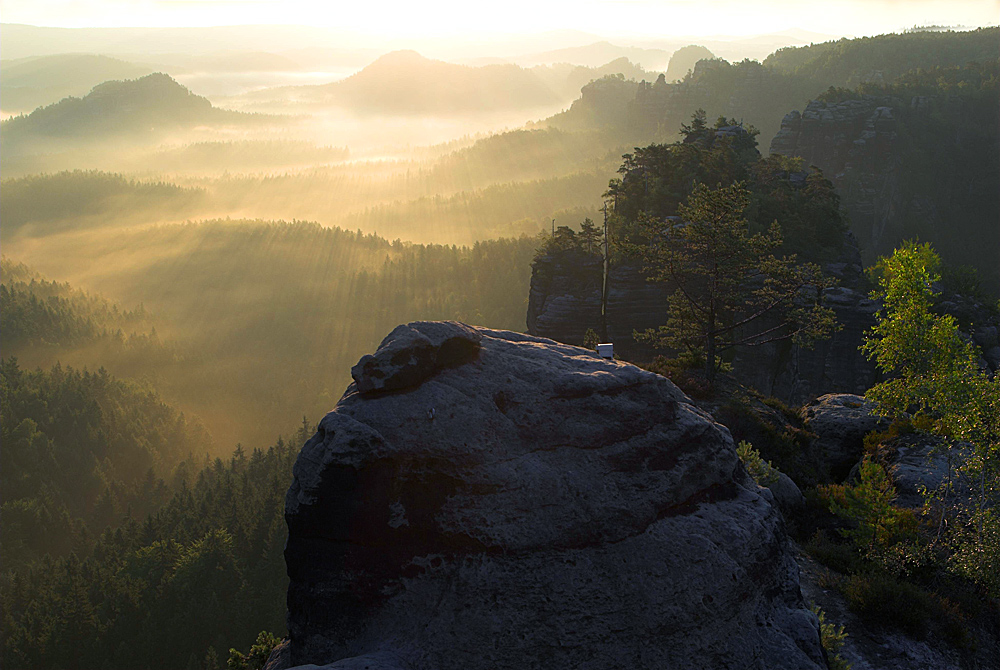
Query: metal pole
column 604, row 282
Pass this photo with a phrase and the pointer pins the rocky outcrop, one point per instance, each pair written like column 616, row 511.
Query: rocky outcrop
column 854, row 142
column 905, row 168
column 796, row 374
column 840, row 422
column 525, row 504
column 917, row 463
column 565, row 300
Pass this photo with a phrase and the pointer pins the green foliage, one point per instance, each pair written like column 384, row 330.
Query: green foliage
column 656, row 180
column 44, row 204
column 52, row 317
column 850, row 62
column 836, row 555
column 936, row 371
column 79, row 449
column 781, row 441
column 976, row 549
column 920, row 350
column 802, row 201
column 590, row 237
column 762, row 471
column 877, row 529
column 203, row 572
column 730, row 290
column 885, row 601
column 947, row 141
column 832, row 637
column 964, row 280
column 683, row 372
column 266, row 319
column 257, row 656
column 591, row 339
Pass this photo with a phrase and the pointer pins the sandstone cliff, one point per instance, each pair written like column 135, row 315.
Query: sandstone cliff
column 485, row 499
column 920, row 166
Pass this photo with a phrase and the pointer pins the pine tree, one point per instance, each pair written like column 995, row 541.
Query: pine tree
column 730, row 290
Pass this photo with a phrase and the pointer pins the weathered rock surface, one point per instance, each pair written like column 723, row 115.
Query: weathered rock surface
column 797, row 374
column 917, row 465
column 412, row 353
column 280, row 657
column 564, row 301
column 840, row 421
column 787, row 495
column 918, row 461
column 535, row 507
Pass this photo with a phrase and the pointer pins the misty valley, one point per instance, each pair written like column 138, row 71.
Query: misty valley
column 204, row 247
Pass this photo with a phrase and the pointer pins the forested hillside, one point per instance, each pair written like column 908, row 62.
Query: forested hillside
column 915, row 159
column 29, row 83
column 260, row 321
column 80, row 450
column 881, row 59
column 759, row 94
column 188, row 567
column 185, row 289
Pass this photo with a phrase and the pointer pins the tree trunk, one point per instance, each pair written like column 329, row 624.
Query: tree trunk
column 710, row 347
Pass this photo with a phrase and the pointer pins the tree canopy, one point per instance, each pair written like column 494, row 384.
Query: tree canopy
column 731, row 290
column 933, row 371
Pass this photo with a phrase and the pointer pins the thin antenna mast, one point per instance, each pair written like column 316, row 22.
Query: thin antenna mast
column 604, row 282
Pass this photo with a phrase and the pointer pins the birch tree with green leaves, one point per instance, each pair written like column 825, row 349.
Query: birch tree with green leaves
column 932, row 370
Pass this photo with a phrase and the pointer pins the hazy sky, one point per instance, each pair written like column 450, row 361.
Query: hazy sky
column 467, row 18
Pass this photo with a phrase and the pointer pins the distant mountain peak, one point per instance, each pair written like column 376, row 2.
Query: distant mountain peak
column 402, row 56
column 150, row 82
column 116, row 107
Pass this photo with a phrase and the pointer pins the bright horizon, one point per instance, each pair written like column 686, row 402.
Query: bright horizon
column 460, row 20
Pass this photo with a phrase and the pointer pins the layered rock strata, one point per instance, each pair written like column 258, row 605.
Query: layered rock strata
column 485, row 499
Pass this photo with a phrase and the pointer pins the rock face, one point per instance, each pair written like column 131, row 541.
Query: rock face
column 840, row 421
column 854, row 143
column 868, row 148
column 797, row 374
column 565, row 300
column 529, row 505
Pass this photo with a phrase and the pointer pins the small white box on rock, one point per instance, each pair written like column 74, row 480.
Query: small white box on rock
column 606, row 350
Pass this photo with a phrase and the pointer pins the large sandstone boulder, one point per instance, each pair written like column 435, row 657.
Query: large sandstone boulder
column 529, row 505
column 840, row 421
